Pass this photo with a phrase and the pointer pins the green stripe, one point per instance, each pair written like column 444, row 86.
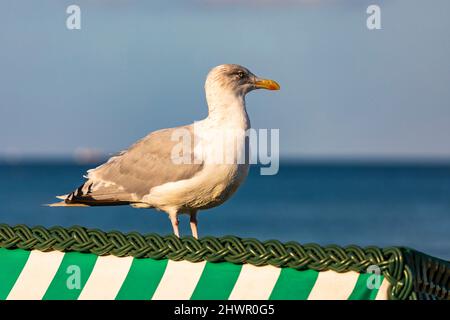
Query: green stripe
column 294, row 284
column 71, row 276
column 361, row 291
column 11, row 264
column 217, row 281
column 142, row 279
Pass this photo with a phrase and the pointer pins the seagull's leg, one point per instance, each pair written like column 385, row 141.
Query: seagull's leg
column 173, row 216
column 193, row 223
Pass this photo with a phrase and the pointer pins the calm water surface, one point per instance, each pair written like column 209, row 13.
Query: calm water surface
column 382, row 205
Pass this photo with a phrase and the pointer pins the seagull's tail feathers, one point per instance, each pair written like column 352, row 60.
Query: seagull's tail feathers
column 87, row 196
column 64, row 204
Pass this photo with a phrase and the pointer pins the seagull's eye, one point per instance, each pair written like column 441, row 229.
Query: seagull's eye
column 241, row 74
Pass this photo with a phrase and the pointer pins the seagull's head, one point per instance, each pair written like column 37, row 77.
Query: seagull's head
column 237, row 80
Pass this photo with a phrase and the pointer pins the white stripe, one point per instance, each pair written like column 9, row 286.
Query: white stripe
column 36, row 275
column 332, row 285
column 179, row 280
column 255, row 283
column 106, row 278
column 382, row 293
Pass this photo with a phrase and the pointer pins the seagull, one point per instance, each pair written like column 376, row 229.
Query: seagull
column 147, row 175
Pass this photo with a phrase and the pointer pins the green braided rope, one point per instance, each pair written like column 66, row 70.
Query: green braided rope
column 228, row 248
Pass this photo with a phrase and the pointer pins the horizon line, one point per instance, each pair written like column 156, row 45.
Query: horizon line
column 286, row 160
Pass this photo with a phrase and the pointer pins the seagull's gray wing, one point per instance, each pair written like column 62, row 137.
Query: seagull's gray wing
column 130, row 175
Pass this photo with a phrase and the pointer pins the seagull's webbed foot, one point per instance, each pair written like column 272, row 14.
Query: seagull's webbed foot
column 193, row 223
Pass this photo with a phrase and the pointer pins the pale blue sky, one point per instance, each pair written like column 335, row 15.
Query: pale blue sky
column 137, row 66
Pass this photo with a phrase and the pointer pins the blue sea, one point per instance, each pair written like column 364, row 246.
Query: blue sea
column 343, row 203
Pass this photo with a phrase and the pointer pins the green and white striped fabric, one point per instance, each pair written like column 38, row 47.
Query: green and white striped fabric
column 35, row 275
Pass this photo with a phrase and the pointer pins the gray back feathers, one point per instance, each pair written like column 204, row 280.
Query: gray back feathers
column 131, row 174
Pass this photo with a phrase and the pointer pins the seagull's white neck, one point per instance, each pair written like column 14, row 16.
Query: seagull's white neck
column 226, row 108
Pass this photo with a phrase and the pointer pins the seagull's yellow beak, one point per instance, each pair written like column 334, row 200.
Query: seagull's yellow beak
column 267, row 84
